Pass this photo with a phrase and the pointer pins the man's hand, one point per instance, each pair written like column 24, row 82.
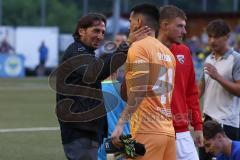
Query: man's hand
column 116, row 134
column 139, row 34
column 198, row 138
column 211, row 71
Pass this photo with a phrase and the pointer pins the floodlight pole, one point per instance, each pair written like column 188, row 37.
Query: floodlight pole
column 1, row 12
column 116, row 17
column 125, row 6
column 85, row 7
column 235, row 5
column 43, row 12
column 204, row 5
column 165, row 2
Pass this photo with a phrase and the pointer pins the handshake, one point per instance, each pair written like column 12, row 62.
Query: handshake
column 130, row 148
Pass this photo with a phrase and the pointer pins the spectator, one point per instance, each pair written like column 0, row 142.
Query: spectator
column 220, row 82
column 114, row 105
column 217, row 143
column 5, row 47
column 119, row 38
column 43, row 55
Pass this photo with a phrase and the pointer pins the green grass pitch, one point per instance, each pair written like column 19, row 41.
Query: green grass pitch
column 28, row 103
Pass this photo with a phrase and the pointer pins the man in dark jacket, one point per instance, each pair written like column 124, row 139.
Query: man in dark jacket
column 80, row 108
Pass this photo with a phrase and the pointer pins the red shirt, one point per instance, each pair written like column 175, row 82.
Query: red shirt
column 185, row 104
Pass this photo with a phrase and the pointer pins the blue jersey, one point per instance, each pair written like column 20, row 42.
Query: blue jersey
column 114, row 107
column 235, row 153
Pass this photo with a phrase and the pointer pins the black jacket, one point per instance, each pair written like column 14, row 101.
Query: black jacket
column 79, row 79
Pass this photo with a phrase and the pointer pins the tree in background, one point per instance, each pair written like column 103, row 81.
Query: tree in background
column 28, row 13
column 65, row 13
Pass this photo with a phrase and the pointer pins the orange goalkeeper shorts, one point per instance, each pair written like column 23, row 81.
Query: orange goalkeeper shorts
column 158, row 147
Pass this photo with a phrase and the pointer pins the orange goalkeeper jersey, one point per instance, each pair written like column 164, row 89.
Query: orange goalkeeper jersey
column 150, row 62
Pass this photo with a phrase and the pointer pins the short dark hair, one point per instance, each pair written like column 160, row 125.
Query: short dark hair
column 169, row 12
column 151, row 14
column 218, row 28
column 211, row 129
column 88, row 21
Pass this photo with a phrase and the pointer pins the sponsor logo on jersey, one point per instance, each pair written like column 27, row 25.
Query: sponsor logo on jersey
column 164, row 57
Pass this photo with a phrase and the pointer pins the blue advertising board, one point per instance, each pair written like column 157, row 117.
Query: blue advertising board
column 11, row 66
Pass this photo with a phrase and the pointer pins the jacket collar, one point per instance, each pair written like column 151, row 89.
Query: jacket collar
column 82, row 47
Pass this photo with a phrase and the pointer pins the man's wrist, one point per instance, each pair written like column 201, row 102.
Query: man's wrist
column 121, row 122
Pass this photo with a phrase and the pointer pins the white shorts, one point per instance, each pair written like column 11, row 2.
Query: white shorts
column 186, row 149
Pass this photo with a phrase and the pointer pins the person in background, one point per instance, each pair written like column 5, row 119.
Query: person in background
column 114, row 107
column 43, row 53
column 112, row 100
column 5, row 47
column 220, row 82
column 118, row 39
column 217, row 143
column 43, row 56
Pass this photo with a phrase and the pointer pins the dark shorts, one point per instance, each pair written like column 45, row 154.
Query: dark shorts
column 81, row 149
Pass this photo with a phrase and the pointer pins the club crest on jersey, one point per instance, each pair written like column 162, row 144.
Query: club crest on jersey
column 180, row 58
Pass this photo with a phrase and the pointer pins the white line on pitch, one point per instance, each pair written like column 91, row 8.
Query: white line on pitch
column 9, row 130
